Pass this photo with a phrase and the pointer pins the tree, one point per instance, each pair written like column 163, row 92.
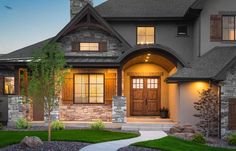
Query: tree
column 208, row 112
column 47, row 71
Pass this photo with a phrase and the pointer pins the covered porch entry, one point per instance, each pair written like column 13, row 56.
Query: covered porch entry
column 143, row 73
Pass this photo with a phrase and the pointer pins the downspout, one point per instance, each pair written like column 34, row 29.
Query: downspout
column 219, row 93
column 199, row 38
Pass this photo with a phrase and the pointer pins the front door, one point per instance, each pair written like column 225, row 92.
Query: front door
column 145, row 96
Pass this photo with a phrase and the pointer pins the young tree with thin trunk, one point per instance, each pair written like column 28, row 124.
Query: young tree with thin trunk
column 47, row 71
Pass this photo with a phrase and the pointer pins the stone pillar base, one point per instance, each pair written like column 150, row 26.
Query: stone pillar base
column 119, row 109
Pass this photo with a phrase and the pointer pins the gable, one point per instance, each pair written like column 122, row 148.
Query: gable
column 89, row 18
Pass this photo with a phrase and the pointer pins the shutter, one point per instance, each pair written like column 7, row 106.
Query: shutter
column 232, row 115
column 103, row 46
column 75, row 46
column 1, row 85
column 110, row 87
column 67, row 91
column 216, row 28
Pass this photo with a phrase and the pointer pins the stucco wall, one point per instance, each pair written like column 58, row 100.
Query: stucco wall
column 174, row 102
column 213, row 7
column 166, row 34
column 146, row 69
column 188, row 94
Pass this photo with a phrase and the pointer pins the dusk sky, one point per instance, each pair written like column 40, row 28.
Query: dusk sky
column 25, row 22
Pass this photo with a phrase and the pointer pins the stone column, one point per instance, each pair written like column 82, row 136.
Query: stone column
column 77, row 5
column 119, row 109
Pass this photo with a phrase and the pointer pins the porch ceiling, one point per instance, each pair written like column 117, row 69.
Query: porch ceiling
column 153, row 58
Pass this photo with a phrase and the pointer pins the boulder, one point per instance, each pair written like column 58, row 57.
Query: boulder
column 189, row 129
column 185, row 136
column 176, row 129
column 31, row 142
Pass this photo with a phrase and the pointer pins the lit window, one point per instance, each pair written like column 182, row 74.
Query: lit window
column 182, row 30
column 9, row 85
column 145, row 35
column 89, row 46
column 89, row 88
column 229, row 28
column 137, row 83
column 152, row 83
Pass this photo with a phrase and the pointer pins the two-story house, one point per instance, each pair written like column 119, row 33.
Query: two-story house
column 155, row 53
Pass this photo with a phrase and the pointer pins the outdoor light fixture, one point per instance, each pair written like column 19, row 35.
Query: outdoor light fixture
column 146, row 60
column 149, row 54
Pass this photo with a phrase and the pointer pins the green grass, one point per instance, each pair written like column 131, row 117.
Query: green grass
column 89, row 136
column 174, row 144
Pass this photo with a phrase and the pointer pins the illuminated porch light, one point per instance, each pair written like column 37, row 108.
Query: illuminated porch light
column 149, row 54
column 146, row 60
column 147, row 57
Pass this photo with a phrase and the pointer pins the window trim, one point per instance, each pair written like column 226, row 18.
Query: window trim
column 146, row 26
column 89, row 88
column 222, row 28
column 4, row 93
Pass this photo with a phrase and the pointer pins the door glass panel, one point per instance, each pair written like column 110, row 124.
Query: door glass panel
column 137, row 83
column 152, row 83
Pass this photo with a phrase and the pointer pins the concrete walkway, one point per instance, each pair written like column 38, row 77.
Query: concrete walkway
column 115, row 145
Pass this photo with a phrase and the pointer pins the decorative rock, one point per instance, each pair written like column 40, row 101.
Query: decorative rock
column 176, row 129
column 186, row 136
column 31, row 142
column 185, row 132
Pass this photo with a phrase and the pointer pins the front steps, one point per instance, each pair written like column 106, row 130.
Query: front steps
column 165, row 126
column 147, row 124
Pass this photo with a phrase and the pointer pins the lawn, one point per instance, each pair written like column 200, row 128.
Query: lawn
column 174, row 144
column 89, row 136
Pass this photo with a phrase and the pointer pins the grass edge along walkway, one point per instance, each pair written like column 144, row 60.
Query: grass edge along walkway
column 88, row 136
column 170, row 143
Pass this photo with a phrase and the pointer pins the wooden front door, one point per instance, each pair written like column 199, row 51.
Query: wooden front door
column 145, row 96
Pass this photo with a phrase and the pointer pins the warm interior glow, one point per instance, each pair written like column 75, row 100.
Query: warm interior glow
column 145, row 35
column 9, row 85
column 89, row 46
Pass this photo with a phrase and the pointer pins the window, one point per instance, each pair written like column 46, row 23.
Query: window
column 145, row 35
column 89, row 46
column 152, row 83
column 137, row 83
column 182, row 30
column 9, row 85
column 229, row 28
column 89, row 88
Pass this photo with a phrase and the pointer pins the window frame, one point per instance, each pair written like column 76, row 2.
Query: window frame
column 145, row 26
column 90, row 50
column 222, row 28
column 88, row 87
column 4, row 93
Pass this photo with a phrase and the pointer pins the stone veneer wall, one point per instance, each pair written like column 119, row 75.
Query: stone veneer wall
column 119, row 109
column 16, row 110
column 85, row 112
column 114, row 47
column 228, row 91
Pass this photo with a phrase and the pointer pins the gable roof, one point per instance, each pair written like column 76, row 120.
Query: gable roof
column 211, row 66
column 24, row 53
column 144, row 8
column 75, row 21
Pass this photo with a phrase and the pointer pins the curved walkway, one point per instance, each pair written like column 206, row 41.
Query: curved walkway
column 115, row 145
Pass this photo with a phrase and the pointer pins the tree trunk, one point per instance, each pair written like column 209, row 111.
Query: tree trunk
column 49, row 126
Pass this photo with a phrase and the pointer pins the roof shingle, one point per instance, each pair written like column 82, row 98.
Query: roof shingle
column 144, row 8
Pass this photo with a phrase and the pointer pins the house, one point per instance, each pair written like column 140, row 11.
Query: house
column 154, row 53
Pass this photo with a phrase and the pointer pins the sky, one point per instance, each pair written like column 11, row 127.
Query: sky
column 25, row 22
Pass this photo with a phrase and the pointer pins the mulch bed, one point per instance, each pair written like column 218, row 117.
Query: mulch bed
column 133, row 148
column 49, row 146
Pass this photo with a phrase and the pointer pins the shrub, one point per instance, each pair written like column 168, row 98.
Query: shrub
column 98, row 125
column 57, row 125
column 22, row 123
column 232, row 139
column 199, row 138
column 1, row 126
